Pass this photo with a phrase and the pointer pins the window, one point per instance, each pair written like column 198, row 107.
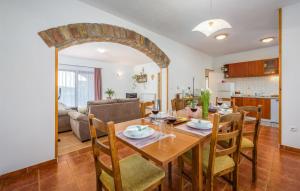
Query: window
column 76, row 87
column 206, row 82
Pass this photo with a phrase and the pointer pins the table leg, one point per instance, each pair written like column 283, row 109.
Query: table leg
column 170, row 174
column 197, row 168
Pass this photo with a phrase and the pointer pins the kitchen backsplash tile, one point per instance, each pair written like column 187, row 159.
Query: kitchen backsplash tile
column 267, row 85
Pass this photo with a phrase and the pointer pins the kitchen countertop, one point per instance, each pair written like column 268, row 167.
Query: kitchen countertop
column 254, row 96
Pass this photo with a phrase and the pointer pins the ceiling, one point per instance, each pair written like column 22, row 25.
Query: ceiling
column 115, row 53
column 251, row 20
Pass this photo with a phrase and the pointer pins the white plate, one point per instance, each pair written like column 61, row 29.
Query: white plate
column 225, row 106
column 160, row 115
column 225, row 111
column 204, row 125
column 133, row 132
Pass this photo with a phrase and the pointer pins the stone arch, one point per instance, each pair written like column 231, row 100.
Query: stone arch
column 64, row 36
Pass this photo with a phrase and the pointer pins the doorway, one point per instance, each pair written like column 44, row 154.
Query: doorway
column 73, row 34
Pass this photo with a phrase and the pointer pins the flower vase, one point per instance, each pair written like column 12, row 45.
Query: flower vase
column 205, row 110
column 205, row 98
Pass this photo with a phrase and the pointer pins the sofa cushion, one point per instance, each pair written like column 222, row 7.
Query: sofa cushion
column 82, row 110
column 110, row 101
column 63, row 112
column 78, row 116
column 117, row 112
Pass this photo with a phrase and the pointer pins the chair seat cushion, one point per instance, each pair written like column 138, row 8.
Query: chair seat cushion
column 136, row 173
column 246, row 143
column 221, row 163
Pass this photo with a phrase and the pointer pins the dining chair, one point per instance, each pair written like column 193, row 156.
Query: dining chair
column 178, row 104
column 231, row 100
column 145, row 108
column 251, row 144
column 218, row 161
column 131, row 173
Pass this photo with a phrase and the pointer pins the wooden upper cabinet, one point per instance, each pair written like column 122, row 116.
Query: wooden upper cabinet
column 252, row 68
column 271, row 66
column 238, row 70
column 255, row 68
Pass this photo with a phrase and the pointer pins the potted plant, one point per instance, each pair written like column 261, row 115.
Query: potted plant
column 205, row 98
column 110, row 93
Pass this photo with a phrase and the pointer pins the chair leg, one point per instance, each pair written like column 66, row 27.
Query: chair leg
column 254, row 165
column 99, row 184
column 235, row 180
column 160, row 187
column 210, row 184
column 180, row 170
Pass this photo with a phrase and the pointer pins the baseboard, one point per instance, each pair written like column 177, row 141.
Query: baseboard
column 27, row 169
column 288, row 148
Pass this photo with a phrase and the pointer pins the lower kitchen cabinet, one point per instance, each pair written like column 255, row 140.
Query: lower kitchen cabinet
column 249, row 101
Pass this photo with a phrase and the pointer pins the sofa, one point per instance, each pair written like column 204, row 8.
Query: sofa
column 116, row 110
column 63, row 118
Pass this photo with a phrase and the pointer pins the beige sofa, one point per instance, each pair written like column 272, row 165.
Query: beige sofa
column 116, row 110
column 63, row 118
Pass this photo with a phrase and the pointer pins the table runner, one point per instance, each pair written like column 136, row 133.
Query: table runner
column 139, row 143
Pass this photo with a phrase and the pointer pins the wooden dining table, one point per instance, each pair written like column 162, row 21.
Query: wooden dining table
column 168, row 149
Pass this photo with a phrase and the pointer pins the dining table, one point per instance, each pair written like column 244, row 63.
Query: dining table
column 167, row 149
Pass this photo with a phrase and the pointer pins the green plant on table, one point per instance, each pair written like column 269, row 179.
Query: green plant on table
column 205, row 98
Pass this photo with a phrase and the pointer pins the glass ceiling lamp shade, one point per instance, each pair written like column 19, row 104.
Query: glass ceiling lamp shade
column 211, row 26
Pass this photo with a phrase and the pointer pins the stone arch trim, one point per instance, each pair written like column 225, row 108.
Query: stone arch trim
column 64, row 36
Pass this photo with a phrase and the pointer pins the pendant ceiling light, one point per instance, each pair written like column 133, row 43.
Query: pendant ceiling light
column 211, row 26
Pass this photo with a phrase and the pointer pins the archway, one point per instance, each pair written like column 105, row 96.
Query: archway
column 68, row 35
column 73, row 34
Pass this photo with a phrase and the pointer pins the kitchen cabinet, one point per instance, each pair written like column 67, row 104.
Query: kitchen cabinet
column 250, row 101
column 271, row 66
column 239, row 101
column 255, row 68
column 238, row 70
column 252, row 68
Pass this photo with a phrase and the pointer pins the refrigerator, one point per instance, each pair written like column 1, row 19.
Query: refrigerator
column 220, row 88
column 225, row 90
column 275, row 110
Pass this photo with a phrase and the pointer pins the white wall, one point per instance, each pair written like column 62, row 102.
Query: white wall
column 27, row 73
column 290, row 75
column 110, row 79
column 152, row 85
column 264, row 85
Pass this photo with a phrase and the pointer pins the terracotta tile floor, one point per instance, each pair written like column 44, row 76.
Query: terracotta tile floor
column 277, row 170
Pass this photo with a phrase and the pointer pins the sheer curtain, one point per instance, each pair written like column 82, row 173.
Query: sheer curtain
column 66, row 85
column 76, row 87
column 85, row 90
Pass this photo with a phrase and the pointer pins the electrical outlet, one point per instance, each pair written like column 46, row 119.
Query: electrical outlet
column 293, row 128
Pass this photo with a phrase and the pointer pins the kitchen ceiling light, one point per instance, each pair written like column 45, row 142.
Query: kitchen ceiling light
column 221, row 36
column 267, row 40
column 211, row 26
column 101, row 50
